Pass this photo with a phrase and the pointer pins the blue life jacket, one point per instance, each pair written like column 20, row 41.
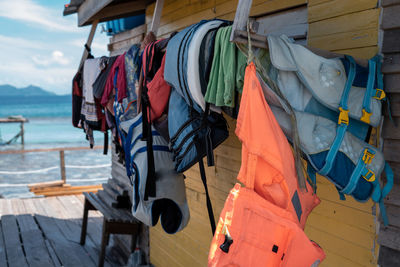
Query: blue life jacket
column 335, row 101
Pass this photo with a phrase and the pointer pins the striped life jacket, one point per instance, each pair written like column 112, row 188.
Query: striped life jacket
column 169, row 202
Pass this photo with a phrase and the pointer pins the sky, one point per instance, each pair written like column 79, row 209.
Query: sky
column 41, row 47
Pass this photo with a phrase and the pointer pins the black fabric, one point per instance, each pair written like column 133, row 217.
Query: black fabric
column 208, row 200
column 205, row 58
column 105, row 146
column 100, row 82
column 169, row 213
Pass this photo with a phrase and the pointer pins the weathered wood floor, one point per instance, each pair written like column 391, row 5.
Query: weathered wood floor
column 46, row 232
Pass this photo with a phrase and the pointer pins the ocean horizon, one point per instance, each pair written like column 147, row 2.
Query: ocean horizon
column 49, row 126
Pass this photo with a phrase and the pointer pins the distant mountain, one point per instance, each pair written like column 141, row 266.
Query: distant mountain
column 9, row 90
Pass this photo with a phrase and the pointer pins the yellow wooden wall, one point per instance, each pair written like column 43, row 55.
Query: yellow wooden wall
column 345, row 230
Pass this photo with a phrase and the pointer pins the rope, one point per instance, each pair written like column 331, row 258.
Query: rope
column 69, row 180
column 12, row 139
column 300, row 168
column 56, row 167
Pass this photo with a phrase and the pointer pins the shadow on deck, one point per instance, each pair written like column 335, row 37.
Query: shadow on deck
column 46, row 232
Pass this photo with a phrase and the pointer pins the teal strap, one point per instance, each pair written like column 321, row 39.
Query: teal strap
column 340, row 133
column 379, row 75
column 349, row 82
column 370, row 85
column 341, row 129
column 385, row 192
column 359, row 170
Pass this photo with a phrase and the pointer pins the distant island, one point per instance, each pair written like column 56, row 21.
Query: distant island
column 11, row 95
column 7, row 90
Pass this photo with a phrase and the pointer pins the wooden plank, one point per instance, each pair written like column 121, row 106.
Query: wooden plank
column 347, row 23
column 139, row 30
column 386, row 3
column 241, row 18
column 391, row 41
column 335, row 8
column 47, row 150
column 393, row 214
column 393, row 68
column 37, row 186
column 119, row 10
column 155, row 23
column 391, row 150
column 89, row 8
column 396, row 170
column 35, row 248
column 360, row 52
column 3, row 257
column 88, row 43
column 15, row 254
column 262, row 7
column 52, row 254
column 392, row 83
column 389, row 237
column 348, row 250
column 394, row 197
column 346, row 40
column 292, row 23
column 388, row 257
column 125, row 44
column 389, row 129
column 390, row 18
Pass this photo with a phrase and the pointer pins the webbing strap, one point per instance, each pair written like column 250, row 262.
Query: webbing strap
column 208, row 200
column 385, row 191
column 370, row 85
column 359, row 170
column 343, row 120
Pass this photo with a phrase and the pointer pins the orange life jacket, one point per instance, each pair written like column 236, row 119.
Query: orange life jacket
column 262, row 224
column 254, row 232
column 267, row 157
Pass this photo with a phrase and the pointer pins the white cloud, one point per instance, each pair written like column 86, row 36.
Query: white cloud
column 16, row 42
column 29, row 11
column 57, row 57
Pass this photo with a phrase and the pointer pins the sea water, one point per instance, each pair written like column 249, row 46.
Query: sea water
column 49, row 126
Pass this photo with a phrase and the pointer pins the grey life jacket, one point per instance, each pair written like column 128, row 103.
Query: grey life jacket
column 169, row 203
column 334, row 101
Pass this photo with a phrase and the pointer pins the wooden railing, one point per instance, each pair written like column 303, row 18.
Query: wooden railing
column 56, row 187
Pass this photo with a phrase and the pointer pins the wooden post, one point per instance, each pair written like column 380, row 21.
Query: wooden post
column 62, row 166
column 22, row 134
column 157, row 16
column 241, row 17
column 88, row 43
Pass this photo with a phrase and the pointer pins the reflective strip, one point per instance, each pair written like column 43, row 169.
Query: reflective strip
column 297, row 205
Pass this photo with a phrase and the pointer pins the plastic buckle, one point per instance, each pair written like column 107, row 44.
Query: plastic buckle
column 343, row 116
column 369, row 176
column 366, row 116
column 368, row 156
column 379, row 94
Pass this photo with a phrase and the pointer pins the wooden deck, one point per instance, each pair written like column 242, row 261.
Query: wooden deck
column 46, row 232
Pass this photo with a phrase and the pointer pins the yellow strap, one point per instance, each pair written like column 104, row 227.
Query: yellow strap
column 367, row 156
column 343, row 116
column 379, row 94
column 370, row 176
column 366, row 116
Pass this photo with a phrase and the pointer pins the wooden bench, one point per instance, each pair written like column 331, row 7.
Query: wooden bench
column 113, row 202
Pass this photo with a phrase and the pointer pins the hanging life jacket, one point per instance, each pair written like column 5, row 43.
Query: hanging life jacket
column 267, row 157
column 194, row 133
column 331, row 98
column 262, row 224
column 169, row 202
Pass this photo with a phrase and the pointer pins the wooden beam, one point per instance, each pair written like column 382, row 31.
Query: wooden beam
column 241, row 18
column 157, row 16
column 89, row 8
column 116, row 11
column 88, row 43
